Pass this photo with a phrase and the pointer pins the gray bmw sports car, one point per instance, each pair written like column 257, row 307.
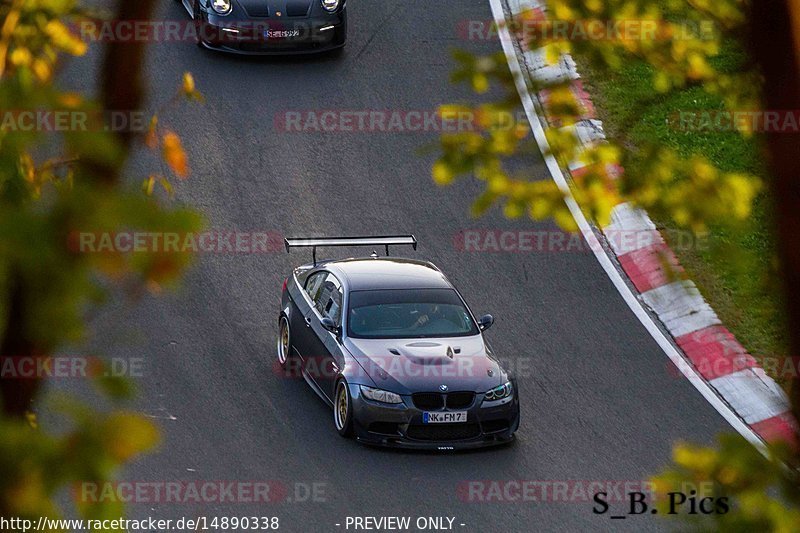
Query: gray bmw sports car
column 391, row 345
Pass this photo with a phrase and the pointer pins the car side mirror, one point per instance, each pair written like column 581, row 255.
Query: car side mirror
column 485, row 322
column 328, row 323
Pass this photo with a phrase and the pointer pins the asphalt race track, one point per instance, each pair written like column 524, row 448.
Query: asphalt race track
column 599, row 401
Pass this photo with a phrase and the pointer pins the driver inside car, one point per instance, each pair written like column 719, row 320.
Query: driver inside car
column 425, row 318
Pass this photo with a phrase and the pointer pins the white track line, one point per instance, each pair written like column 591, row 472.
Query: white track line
column 616, row 278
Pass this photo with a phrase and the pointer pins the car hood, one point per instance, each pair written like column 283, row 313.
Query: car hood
column 406, row 366
column 270, row 8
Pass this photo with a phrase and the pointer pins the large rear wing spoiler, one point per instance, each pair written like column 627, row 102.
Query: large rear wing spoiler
column 323, row 242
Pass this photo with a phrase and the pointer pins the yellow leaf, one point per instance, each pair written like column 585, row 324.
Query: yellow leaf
column 21, row 57
column 167, row 186
column 564, row 219
column 148, row 185
column 70, row 99
column 188, row 83
column 498, row 184
column 128, row 434
column 442, row 174
column 480, row 83
column 512, row 210
column 41, row 69
column 661, row 82
column 188, row 88
column 595, row 6
column 175, row 156
column 608, row 154
column 562, row 11
column 699, row 460
column 552, row 54
column 63, row 38
column 151, row 139
column 27, row 167
column 539, row 208
column 27, row 493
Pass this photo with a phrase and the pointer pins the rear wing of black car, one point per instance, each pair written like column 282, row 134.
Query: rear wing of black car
column 324, row 242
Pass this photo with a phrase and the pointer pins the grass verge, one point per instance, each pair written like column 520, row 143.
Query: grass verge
column 737, row 270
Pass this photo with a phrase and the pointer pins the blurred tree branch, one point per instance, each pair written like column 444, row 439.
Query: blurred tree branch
column 775, row 41
column 122, row 82
column 47, row 281
column 122, row 89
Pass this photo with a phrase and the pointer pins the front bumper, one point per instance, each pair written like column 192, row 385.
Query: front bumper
column 272, row 36
column 401, row 425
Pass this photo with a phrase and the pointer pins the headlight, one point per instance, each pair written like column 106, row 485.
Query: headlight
column 498, row 393
column 330, row 5
column 379, row 395
column 221, row 7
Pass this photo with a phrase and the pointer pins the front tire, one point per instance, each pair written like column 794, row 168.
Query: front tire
column 284, row 346
column 343, row 410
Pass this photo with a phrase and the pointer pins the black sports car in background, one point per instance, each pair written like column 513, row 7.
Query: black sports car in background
column 269, row 26
column 391, row 345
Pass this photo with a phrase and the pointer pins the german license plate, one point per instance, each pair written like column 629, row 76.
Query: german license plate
column 452, row 417
column 281, row 34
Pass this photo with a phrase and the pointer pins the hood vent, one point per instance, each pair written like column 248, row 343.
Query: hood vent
column 423, row 344
column 426, row 353
column 297, row 8
column 256, row 8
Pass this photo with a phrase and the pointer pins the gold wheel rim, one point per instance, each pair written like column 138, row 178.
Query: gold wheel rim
column 341, row 406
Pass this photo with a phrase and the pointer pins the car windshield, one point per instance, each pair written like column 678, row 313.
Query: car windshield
column 408, row 314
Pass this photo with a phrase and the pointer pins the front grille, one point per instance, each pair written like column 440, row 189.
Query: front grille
column 263, row 46
column 260, row 8
column 443, row 432
column 428, row 401
column 431, row 401
column 460, row 400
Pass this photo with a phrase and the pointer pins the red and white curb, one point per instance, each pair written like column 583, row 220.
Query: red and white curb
column 690, row 333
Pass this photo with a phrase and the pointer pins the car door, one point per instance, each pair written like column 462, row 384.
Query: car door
column 300, row 327
column 325, row 346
